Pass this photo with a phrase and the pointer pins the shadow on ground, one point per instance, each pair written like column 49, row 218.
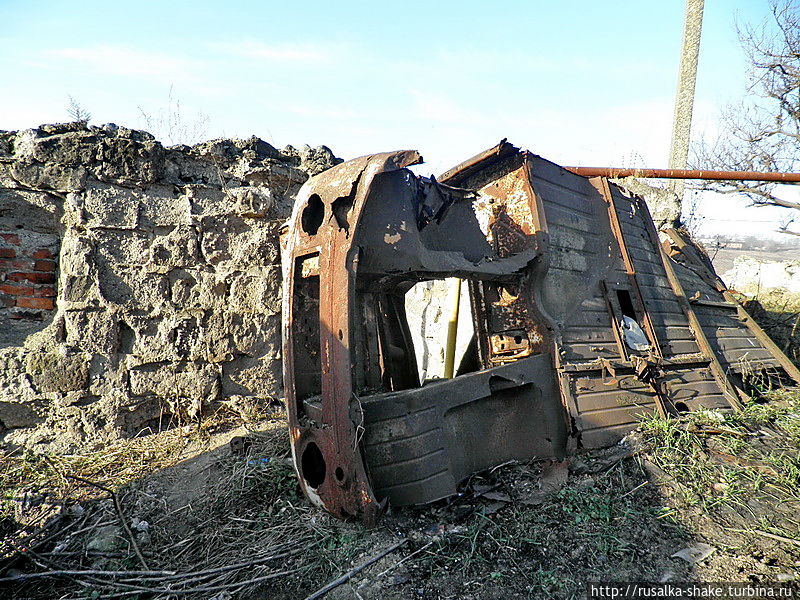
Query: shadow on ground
column 210, row 523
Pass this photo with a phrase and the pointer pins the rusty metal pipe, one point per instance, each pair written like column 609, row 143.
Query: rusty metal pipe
column 685, row 174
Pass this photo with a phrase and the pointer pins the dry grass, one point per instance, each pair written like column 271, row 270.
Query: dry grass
column 206, row 521
column 225, row 526
column 742, row 468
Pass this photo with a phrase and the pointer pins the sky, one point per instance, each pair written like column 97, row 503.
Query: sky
column 579, row 82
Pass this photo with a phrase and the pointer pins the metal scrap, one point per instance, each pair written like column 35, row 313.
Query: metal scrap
column 555, row 264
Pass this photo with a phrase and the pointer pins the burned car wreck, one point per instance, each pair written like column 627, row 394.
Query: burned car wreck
column 584, row 318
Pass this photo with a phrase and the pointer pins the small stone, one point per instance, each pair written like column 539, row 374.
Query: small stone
column 105, row 539
column 696, row 553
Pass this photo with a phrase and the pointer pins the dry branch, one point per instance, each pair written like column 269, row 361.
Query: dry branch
column 355, row 571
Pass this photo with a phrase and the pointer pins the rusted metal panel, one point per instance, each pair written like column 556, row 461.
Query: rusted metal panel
column 560, row 272
column 630, row 269
column 320, row 264
column 419, row 444
column 608, row 408
column 754, row 348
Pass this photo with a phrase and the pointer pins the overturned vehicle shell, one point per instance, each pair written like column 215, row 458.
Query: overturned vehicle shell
column 584, row 319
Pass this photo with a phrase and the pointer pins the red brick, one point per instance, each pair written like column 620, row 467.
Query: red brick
column 16, row 290
column 43, row 253
column 11, row 238
column 44, row 265
column 8, row 253
column 26, row 315
column 44, row 292
column 45, row 303
column 32, row 277
column 8, row 264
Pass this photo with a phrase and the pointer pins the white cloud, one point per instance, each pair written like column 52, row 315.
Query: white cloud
column 256, row 50
column 125, row 61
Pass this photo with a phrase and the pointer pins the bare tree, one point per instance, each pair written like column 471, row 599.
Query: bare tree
column 76, row 112
column 763, row 132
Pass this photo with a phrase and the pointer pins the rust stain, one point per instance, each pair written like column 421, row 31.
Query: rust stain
column 365, row 431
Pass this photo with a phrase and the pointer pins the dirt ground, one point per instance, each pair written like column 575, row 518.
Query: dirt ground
column 203, row 520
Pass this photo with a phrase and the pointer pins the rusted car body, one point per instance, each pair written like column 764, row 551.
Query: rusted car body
column 583, row 318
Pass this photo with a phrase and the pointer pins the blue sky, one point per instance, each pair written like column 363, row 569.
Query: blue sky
column 578, row 82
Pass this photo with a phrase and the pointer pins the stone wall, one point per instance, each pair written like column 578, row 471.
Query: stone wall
column 756, row 276
column 140, row 285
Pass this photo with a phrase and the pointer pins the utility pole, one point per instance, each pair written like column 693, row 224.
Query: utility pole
column 684, row 99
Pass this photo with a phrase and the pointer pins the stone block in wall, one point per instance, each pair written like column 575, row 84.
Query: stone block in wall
column 248, row 376
column 149, row 415
column 278, row 176
column 12, row 367
column 312, row 160
column 166, row 338
column 181, row 288
column 197, row 289
column 251, row 202
column 251, row 334
column 185, row 338
column 6, row 178
column 122, row 286
column 177, row 248
column 15, row 415
column 215, row 342
column 94, row 331
column 205, row 201
column 148, row 343
column 108, row 380
column 220, row 234
column 120, row 248
column 106, row 205
column 258, row 294
column 63, row 178
column 56, row 372
column 164, row 206
column 129, row 162
column 32, row 212
column 69, row 146
column 256, row 247
column 80, row 290
column 77, row 255
column 174, row 381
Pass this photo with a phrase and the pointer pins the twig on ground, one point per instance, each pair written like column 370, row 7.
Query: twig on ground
column 355, row 571
column 207, row 572
column 87, row 572
column 772, row 536
column 395, row 565
column 120, row 515
column 235, row 586
column 722, row 431
column 629, row 492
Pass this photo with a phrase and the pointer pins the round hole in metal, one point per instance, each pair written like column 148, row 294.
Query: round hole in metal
column 312, row 465
column 681, row 407
column 313, row 214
